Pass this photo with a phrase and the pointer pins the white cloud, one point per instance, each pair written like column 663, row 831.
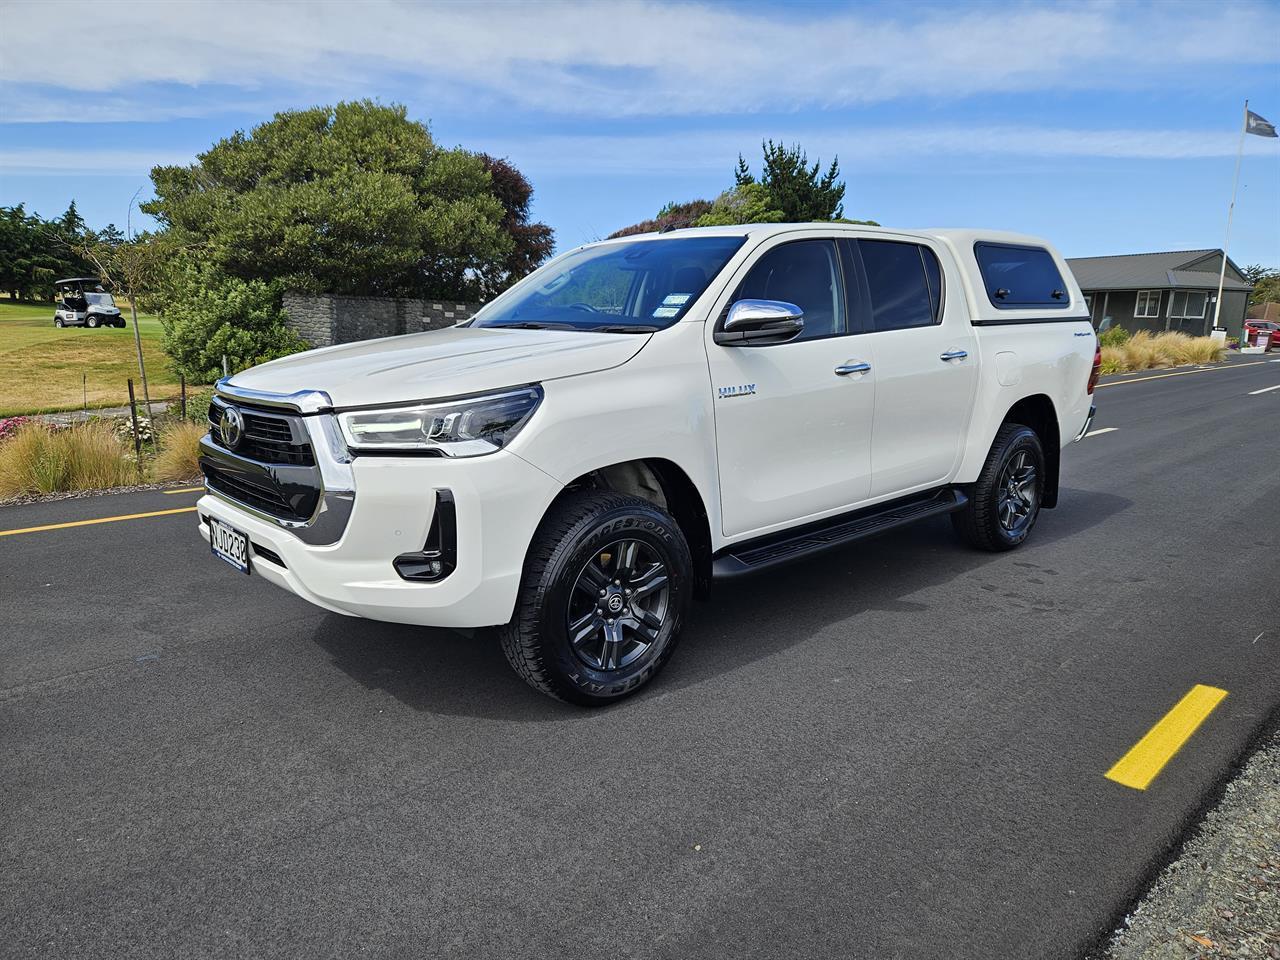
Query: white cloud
column 862, row 148
column 634, row 57
column 41, row 160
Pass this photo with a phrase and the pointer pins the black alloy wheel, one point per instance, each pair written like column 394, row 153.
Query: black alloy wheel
column 1005, row 501
column 1018, row 492
column 618, row 605
column 606, row 585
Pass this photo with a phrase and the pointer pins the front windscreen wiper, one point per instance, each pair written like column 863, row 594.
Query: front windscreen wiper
column 533, row 325
column 624, row 328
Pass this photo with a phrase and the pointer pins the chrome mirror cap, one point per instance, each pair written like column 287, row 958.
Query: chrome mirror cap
column 755, row 313
column 758, row 323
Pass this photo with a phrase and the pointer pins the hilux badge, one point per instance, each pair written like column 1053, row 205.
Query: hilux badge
column 741, row 390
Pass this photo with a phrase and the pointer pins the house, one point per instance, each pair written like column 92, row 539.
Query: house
column 1163, row 291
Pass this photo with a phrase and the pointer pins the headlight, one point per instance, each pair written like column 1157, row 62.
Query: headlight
column 469, row 427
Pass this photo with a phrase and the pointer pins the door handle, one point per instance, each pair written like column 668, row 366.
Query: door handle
column 954, row 355
column 856, row 367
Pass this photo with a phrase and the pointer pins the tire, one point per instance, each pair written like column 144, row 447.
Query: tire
column 597, row 553
column 57, row 322
column 1005, row 502
column 91, row 322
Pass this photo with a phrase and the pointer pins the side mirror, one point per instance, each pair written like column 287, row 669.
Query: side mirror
column 756, row 323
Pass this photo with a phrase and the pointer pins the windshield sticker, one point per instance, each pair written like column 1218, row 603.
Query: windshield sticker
column 676, row 300
column 666, row 312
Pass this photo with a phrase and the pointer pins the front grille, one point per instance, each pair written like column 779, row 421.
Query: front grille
column 268, row 437
column 264, row 497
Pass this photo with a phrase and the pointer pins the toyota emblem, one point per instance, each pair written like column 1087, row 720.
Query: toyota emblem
column 231, row 427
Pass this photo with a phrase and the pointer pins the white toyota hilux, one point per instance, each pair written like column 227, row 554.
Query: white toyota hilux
column 644, row 416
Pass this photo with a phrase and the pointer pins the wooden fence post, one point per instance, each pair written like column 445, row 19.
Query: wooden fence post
column 182, row 382
column 137, row 440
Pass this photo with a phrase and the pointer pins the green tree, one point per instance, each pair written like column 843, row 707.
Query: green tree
column 35, row 252
column 531, row 243
column 1266, row 283
column 354, row 198
column 793, row 186
column 670, row 217
column 745, row 203
column 1266, row 287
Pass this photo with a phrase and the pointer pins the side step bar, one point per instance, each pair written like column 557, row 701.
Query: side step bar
column 768, row 552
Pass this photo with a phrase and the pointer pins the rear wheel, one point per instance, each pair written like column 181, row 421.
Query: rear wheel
column 57, row 322
column 602, row 600
column 1004, row 503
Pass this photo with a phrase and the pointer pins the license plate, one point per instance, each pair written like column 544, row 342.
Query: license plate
column 229, row 544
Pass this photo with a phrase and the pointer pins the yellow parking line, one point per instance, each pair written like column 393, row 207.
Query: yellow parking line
column 86, row 523
column 1182, row 373
column 185, row 490
column 1147, row 758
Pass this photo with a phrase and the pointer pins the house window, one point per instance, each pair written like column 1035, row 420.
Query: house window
column 1188, row 305
column 1148, row 305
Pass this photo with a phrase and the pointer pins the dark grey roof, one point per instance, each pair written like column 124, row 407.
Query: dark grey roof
column 1141, row 271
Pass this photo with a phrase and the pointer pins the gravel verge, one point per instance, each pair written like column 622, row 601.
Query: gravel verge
column 80, row 494
column 1221, row 896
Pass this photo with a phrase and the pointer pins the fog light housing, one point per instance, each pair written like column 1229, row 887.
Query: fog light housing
column 439, row 555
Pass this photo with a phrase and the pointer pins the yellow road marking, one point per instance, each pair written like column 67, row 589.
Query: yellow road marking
column 1182, row 373
column 86, row 523
column 184, row 490
column 1147, row 758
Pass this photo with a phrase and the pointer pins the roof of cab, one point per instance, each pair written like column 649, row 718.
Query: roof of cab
column 956, row 236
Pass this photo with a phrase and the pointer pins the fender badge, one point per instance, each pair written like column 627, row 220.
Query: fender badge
column 742, row 390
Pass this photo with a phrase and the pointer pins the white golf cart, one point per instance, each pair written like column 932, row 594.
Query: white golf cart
column 83, row 303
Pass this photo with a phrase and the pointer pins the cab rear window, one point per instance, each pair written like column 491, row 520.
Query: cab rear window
column 1019, row 277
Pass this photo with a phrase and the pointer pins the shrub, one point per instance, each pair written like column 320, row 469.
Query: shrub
column 9, row 426
column 87, row 456
column 179, row 452
column 209, row 316
column 1112, row 360
column 198, row 406
column 1142, row 351
column 124, row 430
column 1113, row 337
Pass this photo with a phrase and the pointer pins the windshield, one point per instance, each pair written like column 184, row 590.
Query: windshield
column 100, row 299
column 640, row 286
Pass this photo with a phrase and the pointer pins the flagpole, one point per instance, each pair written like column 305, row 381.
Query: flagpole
column 1235, row 183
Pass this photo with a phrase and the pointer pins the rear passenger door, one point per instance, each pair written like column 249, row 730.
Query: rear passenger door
column 925, row 364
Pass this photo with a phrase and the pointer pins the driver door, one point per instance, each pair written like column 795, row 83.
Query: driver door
column 793, row 420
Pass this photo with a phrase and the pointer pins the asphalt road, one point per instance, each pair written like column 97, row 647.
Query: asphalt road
column 894, row 751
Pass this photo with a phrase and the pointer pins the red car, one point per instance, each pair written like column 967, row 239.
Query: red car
column 1250, row 326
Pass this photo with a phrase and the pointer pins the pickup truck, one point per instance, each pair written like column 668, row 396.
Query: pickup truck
column 642, row 417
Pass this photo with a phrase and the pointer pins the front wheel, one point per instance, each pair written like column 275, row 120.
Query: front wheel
column 92, row 322
column 57, row 322
column 1004, row 503
column 602, row 600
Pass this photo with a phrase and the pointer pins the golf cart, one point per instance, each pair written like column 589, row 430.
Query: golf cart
column 83, row 302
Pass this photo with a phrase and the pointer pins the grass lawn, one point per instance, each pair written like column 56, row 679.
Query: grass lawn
column 41, row 366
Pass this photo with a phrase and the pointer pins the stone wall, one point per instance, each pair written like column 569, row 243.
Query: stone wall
column 326, row 319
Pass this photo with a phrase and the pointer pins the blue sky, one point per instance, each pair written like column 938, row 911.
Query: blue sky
column 1109, row 127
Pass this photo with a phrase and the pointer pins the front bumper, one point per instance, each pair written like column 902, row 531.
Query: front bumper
column 499, row 500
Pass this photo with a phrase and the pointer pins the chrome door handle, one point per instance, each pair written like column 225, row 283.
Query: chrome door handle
column 847, row 368
column 954, row 355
